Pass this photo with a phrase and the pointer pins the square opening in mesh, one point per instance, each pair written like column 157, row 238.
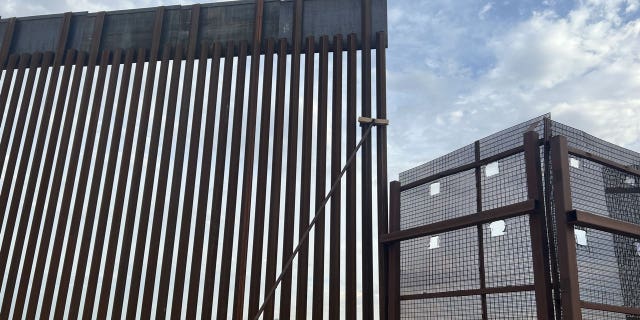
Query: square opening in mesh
column 434, row 242
column 574, row 163
column 492, row 169
column 434, row 188
column 497, row 228
column 581, row 237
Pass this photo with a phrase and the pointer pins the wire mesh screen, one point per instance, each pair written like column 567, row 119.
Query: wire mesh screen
column 450, row 197
column 507, row 250
column 438, row 263
column 455, row 260
column 608, row 263
column 513, row 305
column 504, row 182
column 608, row 268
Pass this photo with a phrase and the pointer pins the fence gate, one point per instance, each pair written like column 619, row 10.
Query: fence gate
column 158, row 162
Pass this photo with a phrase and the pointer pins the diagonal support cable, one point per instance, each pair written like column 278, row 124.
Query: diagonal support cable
column 369, row 123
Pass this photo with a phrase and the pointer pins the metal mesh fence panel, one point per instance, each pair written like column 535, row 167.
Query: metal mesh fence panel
column 438, row 263
column 450, row 197
column 507, row 251
column 608, row 264
column 608, row 268
column 504, row 182
column 512, row 305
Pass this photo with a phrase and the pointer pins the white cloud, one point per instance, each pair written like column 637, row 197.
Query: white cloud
column 581, row 65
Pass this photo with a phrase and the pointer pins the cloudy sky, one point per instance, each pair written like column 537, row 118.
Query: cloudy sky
column 460, row 70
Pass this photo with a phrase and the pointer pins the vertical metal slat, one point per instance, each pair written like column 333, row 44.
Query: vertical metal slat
column 305, row 181
column 394, row 252
column 537, row 227
column 321, row 181
column 351, row 180
column 567, row 256
column 336, row 166
column 381, row 161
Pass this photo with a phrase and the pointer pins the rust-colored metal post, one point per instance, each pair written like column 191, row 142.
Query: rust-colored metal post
column 381, row 148
column 569, row 289
column 553, row 251
column 336, row 166
column 393, row 251
column 292, row 157
column 537, row 227
column 367, row 170
column 305, row 181
column 481, row 265
column 351, row 252
column 321, row 179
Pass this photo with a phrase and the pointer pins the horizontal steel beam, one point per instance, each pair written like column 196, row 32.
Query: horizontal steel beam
column 463, row 168
column 604, row 161
column 468, row 292
column 610, row 308
column 594, row 221
column 218, row 22
column 487, row 216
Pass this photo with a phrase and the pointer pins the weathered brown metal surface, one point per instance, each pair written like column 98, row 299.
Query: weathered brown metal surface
column 145, row 159
column 567, row 259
